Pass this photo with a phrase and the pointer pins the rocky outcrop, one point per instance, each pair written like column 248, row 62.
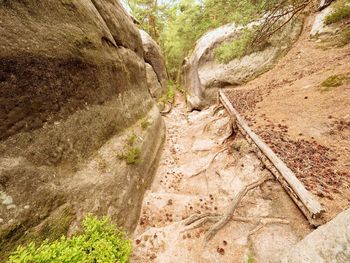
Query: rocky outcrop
column 153, row 56
column 319, row 27
column 203, row 74
column 153, row 84
column 329, row 243
column 324, row 4
column 73, row 89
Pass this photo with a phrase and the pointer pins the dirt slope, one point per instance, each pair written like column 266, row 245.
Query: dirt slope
column 307, row 126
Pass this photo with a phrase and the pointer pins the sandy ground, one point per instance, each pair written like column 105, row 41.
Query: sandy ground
column 309, row 128
column 176, row 194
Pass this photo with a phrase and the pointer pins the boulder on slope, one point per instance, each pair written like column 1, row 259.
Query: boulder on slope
column 203, row 74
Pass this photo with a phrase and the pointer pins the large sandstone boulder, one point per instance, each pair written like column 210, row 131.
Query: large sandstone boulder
column 73, row 89
column 153, row 56
column 328, row 244
column 203, row 74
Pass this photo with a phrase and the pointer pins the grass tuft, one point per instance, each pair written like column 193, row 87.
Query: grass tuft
column 130, row 153
column 341, row 11
column 335, row 81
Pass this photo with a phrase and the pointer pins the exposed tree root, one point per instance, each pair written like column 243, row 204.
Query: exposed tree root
column 168, row 110
column 217, row 109
column 205, row 129
column 266, row 221
column 227, row 216
column 232, row 133
column 198, row 221
column 220, row 221
column 210, row 162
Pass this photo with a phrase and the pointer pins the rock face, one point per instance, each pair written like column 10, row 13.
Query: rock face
column 324, row 4
column 73, row 88
column 153, row 56
column 203, row 74
column 329, row 243
column 153, row 84
column 319, row 27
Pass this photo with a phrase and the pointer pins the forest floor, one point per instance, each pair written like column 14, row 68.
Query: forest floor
column 306, row 124
column 181, row 190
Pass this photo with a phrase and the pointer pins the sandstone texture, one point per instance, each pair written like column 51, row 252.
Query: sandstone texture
column 329, row 243
column 73, row 88
column 153, row 56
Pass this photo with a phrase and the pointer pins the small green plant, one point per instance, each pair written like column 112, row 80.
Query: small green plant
column 250, row 259
column 332, row 81
column 101, row 241
column 130, row 153
column 169, row 96
column 145, row 123
column 170, row 92
column 341, row 11
column 133, row 155
column 132, row 139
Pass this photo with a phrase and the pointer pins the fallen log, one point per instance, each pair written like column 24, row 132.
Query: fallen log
column 310, row 207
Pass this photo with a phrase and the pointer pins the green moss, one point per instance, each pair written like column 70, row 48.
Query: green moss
column 341, row 11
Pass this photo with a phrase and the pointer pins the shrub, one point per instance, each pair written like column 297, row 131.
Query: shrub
column 341, row 11
column 101, row 242
column 332, row 81
column 344, row 37
column 170, row 92
column 131, row 155
column 237, row 48
column 145, row 123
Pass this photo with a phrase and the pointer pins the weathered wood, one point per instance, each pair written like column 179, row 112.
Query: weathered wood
column 311, row 208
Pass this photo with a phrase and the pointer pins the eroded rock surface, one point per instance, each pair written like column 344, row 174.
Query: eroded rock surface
column 203, row 74
column 73, row 89
column 319, row 26
column 329, row 243
column 153, row 56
